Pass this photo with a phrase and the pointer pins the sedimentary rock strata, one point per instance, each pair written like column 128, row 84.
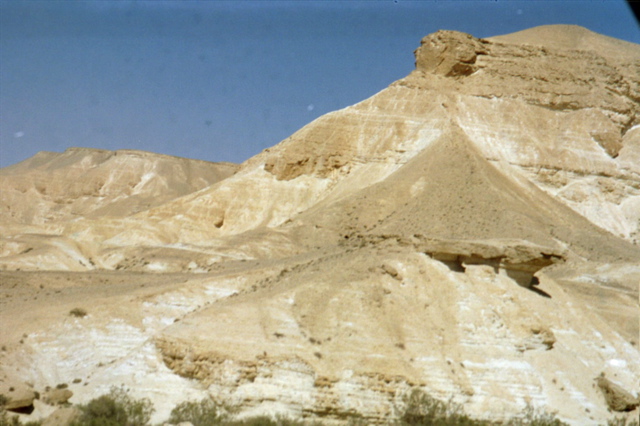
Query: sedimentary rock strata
column 471, row 232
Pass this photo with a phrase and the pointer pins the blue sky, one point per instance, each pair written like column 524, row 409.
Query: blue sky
column 221, row 81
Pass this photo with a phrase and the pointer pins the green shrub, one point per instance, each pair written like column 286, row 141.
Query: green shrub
column 208, row 413
column 6, row 420
column 266, row 421
column 103, row 411
column 203, row 413
column 257, row 421
column 622, row 421
column 535, row 418
column 423, row 409
column 116, row 408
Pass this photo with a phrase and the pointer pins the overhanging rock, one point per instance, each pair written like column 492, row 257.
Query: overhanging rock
column 519, row 259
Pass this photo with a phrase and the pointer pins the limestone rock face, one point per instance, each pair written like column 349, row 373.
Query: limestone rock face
column 470, row 231
column 601, row 76
column 449, row 53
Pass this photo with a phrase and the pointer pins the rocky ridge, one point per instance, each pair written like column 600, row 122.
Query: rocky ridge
column 85, row 182
column 470, row 231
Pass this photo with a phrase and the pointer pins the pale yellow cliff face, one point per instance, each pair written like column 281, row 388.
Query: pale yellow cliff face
column 471, row 230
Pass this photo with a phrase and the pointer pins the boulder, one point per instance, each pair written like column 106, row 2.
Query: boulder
column 56, row 396
column 19, row 396
column 618, row 399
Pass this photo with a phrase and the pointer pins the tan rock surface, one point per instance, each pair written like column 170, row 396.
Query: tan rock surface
column 56, row 396
column 61, row 417
column 18, row 394
column 616, row 396
column 471, row 231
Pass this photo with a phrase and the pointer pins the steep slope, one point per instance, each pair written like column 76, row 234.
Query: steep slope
column 450, row 191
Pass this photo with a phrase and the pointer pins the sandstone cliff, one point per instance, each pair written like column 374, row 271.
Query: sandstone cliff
column 471, row 231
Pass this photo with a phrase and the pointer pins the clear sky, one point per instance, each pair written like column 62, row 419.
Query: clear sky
column 221, row 81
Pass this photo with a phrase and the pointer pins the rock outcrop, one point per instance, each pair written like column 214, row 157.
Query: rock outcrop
column 471, row 232
column 618, row 399
column 56, row 396
column 17, row 396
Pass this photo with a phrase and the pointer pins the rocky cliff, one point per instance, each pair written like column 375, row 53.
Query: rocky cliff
column 470, row 231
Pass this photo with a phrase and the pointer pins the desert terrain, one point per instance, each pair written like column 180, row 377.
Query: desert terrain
column 471, row 231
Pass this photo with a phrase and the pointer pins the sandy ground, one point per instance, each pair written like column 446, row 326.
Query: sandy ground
column 33, row 301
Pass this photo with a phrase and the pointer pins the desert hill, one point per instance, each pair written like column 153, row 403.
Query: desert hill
column 84, row 182
column 572, row 37
column 470, row 231
column 50, row 189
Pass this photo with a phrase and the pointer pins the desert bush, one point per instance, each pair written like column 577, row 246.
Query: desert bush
column 257, row 421
column 202, row 413
column 6, row 420
column 266, row 421
column 207, row 413
column 423, row 409
column 116, row 408
column 357, row 421
column 78, row 312
column 623, row 421
column 532, row 417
